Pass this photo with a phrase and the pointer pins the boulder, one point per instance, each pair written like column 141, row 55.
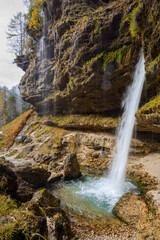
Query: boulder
column 24, row 192
column 71, row 167
column 45, row 204
column 34, row 176
column 45, row 199
column 22, row 139
column 59, row 227
column 133, row 210
column 8, row 180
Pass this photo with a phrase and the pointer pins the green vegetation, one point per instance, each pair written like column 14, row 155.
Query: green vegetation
column 94, row 59
column 7, row 204
column 131, row 19
column 153, row 64
column 115, row 56
column 150, row 107
column 18, row 222
column 95, row 122
column 108, row 57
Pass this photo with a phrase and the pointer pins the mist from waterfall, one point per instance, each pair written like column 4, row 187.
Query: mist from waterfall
column 130, row 105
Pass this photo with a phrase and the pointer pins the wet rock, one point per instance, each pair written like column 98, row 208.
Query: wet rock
column 8, row 180
column 133, row 210
column 71, row 167
column 34, row 176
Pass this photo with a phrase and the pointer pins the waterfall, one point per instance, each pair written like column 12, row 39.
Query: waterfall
column 42, row 47
column 130, row 105
column 104, row 192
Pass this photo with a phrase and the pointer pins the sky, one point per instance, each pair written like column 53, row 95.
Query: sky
column 10, row 74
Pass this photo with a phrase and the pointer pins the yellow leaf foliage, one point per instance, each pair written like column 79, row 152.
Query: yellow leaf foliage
column 35, row 21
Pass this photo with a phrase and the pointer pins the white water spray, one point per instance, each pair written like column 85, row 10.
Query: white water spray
column 125, row 130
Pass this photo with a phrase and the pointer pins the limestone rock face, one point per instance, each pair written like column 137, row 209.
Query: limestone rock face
column 132, row 210
column 91, row 49
column 149, row 23
column 90, row 56
column 71, row 167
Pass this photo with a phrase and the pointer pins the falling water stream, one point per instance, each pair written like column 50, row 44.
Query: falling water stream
column 42, row 47
column 99, row 195
column 130, row 105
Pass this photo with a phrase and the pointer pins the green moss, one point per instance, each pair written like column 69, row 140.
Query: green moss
column 98, row 26
column 150, row 107
column 43, row 190
column 100, row 55
column 114, row 56
column 134, row 29
column 153, row 64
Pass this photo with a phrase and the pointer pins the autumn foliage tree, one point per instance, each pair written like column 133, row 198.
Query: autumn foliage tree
column 36, row 14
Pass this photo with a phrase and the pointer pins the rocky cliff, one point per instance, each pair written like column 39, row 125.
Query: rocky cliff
column 92, row 48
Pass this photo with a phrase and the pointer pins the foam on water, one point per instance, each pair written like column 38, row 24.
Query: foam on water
column 91, row 195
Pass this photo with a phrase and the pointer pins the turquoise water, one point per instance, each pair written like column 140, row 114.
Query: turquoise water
column 90, row 196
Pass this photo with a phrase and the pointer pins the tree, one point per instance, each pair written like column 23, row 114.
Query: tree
column 26, row 3
column 36, row 7
column 17, row 34
column 12, row 108
column 3, row 105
